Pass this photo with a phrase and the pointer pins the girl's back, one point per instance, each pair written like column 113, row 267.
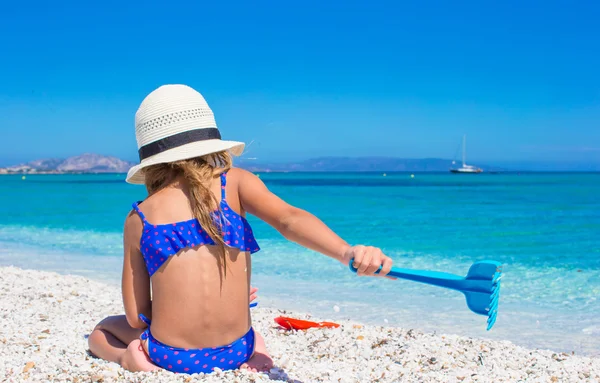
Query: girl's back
column 200, row 292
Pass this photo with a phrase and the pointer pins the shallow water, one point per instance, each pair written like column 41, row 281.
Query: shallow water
column 543, row 227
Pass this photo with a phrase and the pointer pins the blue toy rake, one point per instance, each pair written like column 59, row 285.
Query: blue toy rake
column 481, row 286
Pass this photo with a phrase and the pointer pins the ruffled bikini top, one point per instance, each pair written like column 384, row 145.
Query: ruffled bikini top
column 159, row 242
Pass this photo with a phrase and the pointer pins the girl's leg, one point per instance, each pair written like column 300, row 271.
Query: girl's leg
column 114, row 340
column 111, row 336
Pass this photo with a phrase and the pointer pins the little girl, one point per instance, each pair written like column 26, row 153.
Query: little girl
column 187, row 246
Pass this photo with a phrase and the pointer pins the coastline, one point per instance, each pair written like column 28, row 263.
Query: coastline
column 48, row 316
column 55, row 172
column 3, row 172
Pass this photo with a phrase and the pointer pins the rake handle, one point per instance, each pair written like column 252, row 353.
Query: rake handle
column 435, row 278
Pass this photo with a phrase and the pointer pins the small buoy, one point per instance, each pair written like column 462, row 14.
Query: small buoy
column 384, row 174
column 412, row 176
column 23, row 177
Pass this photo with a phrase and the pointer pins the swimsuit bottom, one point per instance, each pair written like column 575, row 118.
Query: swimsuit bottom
column 205, row 360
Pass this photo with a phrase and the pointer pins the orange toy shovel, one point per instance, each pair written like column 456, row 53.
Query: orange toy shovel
column 299, row 324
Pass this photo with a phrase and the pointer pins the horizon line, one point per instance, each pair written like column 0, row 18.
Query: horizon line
column 308, row 158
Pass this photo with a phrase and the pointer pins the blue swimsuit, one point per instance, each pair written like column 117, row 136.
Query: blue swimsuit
column 192, row 361
column 157, row 244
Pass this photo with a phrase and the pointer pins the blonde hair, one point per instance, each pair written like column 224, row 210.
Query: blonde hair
column 198, row 173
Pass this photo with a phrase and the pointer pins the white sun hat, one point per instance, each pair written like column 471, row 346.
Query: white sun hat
column 175, row 123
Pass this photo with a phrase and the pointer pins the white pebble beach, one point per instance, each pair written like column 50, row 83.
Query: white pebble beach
column 46, row 318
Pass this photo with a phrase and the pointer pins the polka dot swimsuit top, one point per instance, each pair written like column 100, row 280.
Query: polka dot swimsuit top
column 159, row 242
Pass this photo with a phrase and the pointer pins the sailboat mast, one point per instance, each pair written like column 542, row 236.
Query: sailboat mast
column 464, row 149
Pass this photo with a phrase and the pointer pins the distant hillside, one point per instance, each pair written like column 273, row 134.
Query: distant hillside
column 85, row 163
column 95, row 163
column 44, row 165
column 358, row 164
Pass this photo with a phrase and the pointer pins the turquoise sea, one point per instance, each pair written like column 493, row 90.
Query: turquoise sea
column 545, row 228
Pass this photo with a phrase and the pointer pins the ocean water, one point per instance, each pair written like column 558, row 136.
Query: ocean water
column 544, row 228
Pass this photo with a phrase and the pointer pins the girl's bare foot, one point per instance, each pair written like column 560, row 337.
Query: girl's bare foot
column 135, row 359
column 260, row 360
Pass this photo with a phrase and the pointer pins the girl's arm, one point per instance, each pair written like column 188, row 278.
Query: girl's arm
column 304, row 228
column 135, row 281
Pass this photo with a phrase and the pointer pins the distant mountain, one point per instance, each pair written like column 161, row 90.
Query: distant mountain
column 356, row 164
column 44, row 165
column 85, row 163
column 94, row 163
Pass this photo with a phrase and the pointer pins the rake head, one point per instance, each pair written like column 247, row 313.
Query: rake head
column 481, row 286
column 482, row 289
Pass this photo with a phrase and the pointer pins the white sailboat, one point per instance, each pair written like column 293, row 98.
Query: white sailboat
column 465, row 168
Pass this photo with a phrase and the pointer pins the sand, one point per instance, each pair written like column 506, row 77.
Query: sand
column 46, row 317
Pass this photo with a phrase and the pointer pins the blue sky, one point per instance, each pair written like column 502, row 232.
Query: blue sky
column 302, row 79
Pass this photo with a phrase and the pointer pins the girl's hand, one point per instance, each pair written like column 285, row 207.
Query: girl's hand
column 368, row 260
column 253, row 291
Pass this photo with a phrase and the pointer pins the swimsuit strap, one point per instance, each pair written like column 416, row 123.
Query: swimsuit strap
column 136, row 207
column 146, row 333
column 145, row 319
column 223, row 184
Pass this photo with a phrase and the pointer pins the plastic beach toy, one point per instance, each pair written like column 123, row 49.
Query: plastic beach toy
column 481, row 286
column 299, row 324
